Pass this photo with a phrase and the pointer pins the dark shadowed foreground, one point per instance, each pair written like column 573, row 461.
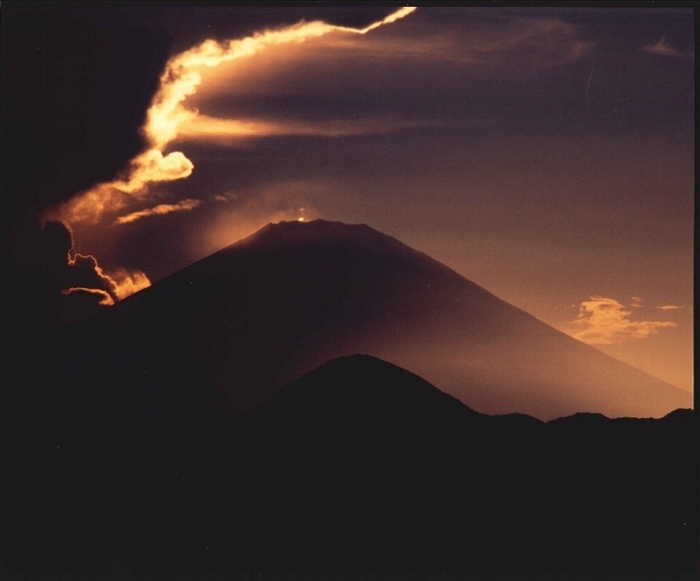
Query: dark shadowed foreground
column 359, row 469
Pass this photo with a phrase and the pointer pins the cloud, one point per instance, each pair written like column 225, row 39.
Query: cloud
column 227, row 197
column 79, row 273
column 159, row 210
column 67, row 286
column 117, row 284
column 78, row 303
column 606, row 321
column 664, row 48
column 487, row 39
column 84, row 272
column 542, row 42
column 127, row 283
column 393, row 17
column 89, row 206
column 669, row 307
column 205, row 128
column 104, row 299
column 166, row 114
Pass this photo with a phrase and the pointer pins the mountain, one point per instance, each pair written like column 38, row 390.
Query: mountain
column 361, row 458
column 268, row 309
column 359, row 469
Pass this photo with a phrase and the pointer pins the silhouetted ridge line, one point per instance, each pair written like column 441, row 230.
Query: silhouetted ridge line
column 230, row 330
column 358, row 468
column 392, row 469
column 363, row 380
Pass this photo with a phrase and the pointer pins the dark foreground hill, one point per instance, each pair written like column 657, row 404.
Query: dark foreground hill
column 357, row 470
column 230, row 330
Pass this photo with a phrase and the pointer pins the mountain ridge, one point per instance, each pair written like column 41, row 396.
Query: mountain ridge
column 264, row 311
column 383, row 474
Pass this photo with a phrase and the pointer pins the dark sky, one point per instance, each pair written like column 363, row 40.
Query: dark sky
column 546, row 154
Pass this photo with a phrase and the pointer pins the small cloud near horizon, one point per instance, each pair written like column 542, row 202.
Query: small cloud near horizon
column 664, row 48
column 227, row 197
column 606, row 321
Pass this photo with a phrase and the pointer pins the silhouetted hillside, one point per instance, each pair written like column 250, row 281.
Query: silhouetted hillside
column 358, row 468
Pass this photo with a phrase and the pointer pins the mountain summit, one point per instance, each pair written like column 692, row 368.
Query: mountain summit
column 234, row 327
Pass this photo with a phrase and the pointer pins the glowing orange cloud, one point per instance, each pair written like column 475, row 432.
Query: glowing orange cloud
column 117, row 284
column 127, row 283
column 405, row 11
column 606, row 321
column 160, row 209
column 167, row 114
column 208, row 128
column 106, row 299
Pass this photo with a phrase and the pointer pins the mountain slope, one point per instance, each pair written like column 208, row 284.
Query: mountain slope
column 364, row 460
column 264, row 311
column 359, row 469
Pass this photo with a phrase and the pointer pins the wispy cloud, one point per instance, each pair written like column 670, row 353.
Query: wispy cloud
column 104, row 298
column 159, row 210
column 664, row 48
column 669, row 307
column 167, row 113
column 227, row 197
column 205, row 128
column 545, row 41
column 542, row 42
column 606, row 321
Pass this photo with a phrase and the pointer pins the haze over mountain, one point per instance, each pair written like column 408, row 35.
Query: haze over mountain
column 272, row 307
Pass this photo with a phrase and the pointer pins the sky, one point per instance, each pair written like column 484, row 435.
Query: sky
column 546, row 154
